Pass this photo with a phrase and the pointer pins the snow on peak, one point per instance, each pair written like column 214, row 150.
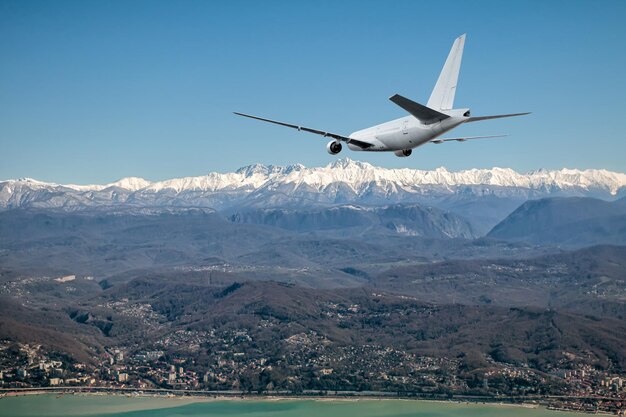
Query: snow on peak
column 260, row 169
column 254, row 169
column 293, row 168
column 357, row 176
column 347, row 163
column 130, row 183
column 31, row 180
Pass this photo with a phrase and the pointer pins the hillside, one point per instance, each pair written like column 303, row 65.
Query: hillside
column 296, row 247
column 589, row 281
column 286, row 323
column 403, row 219
column 565, row 221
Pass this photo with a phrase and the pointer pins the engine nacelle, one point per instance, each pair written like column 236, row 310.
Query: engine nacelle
column 403, row 153
column 333, row 147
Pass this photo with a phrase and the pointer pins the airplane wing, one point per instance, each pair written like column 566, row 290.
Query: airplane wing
column 463, row 139
column 498, row 116
column 359, row 143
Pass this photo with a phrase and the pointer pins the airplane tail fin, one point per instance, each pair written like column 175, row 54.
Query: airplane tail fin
column 442, row 97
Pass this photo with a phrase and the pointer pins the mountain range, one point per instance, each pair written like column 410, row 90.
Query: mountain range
column 339, row 182
column 484, row 197
column 473, row 266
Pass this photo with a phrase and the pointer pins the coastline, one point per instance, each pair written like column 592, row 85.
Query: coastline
column 206, row 397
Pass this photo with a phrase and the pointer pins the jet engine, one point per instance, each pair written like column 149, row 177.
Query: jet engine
column 333, row 147
column 404, row 152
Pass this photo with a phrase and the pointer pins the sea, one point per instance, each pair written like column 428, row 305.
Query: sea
column 121, row 406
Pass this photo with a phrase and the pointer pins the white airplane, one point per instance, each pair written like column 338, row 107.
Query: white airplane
column 425, row 125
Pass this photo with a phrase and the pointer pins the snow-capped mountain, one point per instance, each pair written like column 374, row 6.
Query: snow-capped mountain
column 343, row 181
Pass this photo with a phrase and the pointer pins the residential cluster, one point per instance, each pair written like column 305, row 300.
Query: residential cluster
column 310, row 364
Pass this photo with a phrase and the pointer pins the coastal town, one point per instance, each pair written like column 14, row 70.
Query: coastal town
column 312, row 370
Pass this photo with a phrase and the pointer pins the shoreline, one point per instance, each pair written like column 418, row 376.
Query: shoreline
column 199, row 396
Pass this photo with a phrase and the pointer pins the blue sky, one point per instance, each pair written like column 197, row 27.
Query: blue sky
column 95, row 91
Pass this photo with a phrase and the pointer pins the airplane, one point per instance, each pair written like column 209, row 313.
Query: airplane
column 424, row 125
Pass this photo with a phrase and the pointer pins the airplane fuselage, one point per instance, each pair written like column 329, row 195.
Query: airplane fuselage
column 403, row 133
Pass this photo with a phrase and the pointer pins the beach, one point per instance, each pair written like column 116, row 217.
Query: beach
column 51, row 405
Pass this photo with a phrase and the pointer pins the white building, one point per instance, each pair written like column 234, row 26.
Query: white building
column 55, row 381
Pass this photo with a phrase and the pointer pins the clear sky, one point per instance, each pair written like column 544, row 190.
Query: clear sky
column 92, row 91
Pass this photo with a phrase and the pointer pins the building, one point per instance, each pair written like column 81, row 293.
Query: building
column 55, row 381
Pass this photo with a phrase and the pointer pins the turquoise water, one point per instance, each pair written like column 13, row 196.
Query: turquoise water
column 119, row 406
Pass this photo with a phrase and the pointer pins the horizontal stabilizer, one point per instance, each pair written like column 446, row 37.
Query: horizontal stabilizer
column 498, row 116
column 463, row 139
column 424, row 114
